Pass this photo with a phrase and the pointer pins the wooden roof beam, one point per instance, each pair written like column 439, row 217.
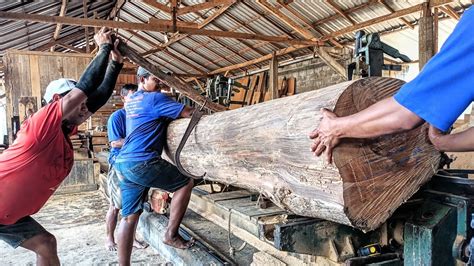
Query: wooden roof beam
column 148, row 27
column 338, row 10
column 179, row 37
column 326, row 58
column 199, row 71
column 347, row 11
column 64, row 39
column 57, row 31
column 389, row 8
column 116, row 9
column 395, row 15
column 158, row 6
column 259, row 60
column 202, row 6
column 448, row 10
column 290, row 22
column 72, row 48
column 306, row 22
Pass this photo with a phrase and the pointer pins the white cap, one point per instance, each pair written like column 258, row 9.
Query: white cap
column 58, row 86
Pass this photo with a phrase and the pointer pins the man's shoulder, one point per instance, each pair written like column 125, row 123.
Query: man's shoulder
column 119, row 114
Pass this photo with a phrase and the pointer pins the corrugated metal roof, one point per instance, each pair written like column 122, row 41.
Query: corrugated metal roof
column 194, row 54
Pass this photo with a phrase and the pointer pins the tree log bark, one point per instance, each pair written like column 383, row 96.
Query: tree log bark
column 265, row 147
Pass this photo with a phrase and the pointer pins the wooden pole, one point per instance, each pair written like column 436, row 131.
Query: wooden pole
column 426, row 36
column 265, row 148
column 273, row 78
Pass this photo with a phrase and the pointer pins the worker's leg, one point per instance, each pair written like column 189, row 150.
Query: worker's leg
column 179, row 204
column 111, row 223
column 113, row 188
column 29, row 234
column 44, row 245
column 170, row 179
column 126, row 235
column 132, row 195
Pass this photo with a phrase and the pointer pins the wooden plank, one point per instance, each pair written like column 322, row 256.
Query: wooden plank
column 338, row 10
column 389, row 8
column 155, row 21
column 258, row 60
column 264, row 147
column 291, row 86
column 201, row 6
column 158, row 5
column 230, row 195
column 148, row 27
column 86, row 29
column 394, row 15
column 35, row 79
column 273, row 78
column 62, row 12
column 253, row 84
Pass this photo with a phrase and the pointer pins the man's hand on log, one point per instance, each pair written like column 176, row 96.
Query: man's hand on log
column 325, row 136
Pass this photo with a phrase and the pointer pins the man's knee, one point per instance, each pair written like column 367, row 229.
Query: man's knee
column 46, row 245
column 132, row 218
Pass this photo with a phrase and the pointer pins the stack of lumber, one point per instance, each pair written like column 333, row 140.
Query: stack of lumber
column 259, row 91
column 100, row 141
column 265, row 148
column 80, row 145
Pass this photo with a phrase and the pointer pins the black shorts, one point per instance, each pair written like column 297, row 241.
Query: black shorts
column 17, row 233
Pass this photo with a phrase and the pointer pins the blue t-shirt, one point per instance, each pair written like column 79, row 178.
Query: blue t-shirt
column 148, row 115
column 445, row 86
column 116, row 131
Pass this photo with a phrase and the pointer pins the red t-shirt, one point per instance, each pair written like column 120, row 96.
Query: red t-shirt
column 34, row 166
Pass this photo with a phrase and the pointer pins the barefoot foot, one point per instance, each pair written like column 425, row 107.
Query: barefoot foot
column 110, row 245
column 139, row 245
column 178, row 242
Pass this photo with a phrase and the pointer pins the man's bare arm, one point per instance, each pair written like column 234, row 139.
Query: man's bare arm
column 458, row 142
column 384, row 117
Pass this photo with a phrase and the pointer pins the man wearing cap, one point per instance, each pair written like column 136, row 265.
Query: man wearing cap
column 41, row 156
column 116, row 134
column 140, row 165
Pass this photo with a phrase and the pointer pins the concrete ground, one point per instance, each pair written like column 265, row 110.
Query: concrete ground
column 77, row 221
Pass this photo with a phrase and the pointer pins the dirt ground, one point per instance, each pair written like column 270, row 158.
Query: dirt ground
column 77, row 221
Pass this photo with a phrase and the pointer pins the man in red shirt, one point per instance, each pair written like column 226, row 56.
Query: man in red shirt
column 34, row 166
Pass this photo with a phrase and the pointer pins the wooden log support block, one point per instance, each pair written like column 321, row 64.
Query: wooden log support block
column 265, row 148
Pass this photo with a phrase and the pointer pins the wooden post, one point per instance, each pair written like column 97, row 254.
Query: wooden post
column 273, row 78
column 426, row 36
column 435, row 30
column 84, row 9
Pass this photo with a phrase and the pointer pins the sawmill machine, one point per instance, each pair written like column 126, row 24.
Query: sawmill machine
column 368, row 57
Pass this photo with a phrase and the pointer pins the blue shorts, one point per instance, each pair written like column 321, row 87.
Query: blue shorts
column 137, row 177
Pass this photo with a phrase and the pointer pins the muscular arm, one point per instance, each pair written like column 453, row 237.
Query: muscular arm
column 458, row 142
column 99, row 97
column 384, row 117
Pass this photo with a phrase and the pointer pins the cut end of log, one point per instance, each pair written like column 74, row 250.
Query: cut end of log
column 380, row 174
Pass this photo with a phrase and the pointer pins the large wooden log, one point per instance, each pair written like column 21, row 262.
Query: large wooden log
column 265, row 147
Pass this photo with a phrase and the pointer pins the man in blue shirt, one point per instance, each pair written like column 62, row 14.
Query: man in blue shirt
column 140, row 165
column 116, row 134
column 438, row 95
